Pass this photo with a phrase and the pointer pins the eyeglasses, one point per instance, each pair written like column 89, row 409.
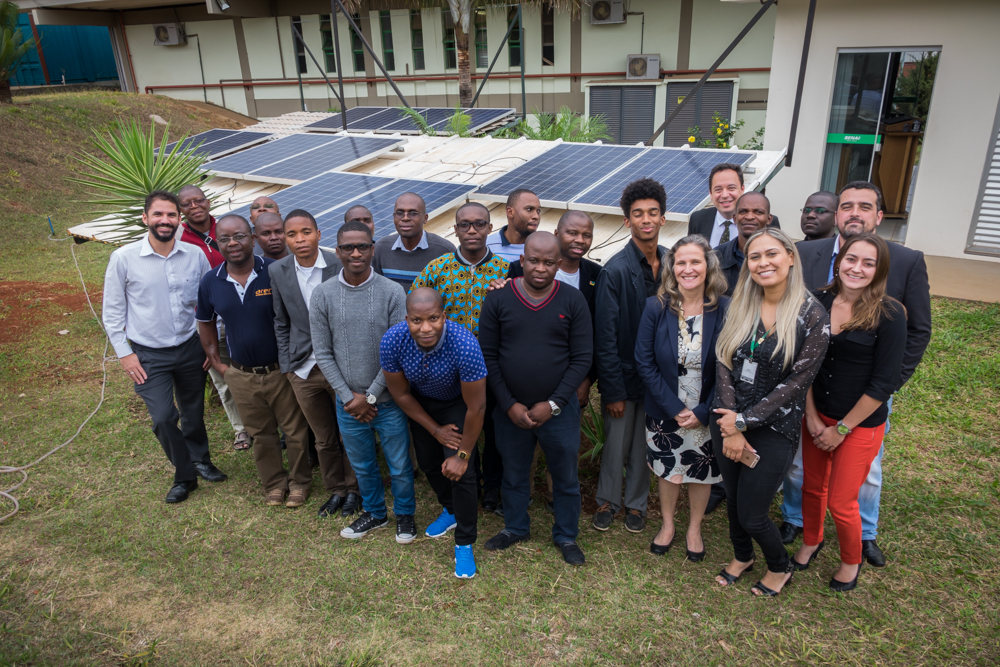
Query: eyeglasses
column 818, row 209
column 239, row 238
column 349, row 248
column 478, row 224
column 191, row 202
column 254, row 207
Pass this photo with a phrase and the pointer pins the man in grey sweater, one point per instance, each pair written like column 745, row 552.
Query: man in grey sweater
column 348, row 316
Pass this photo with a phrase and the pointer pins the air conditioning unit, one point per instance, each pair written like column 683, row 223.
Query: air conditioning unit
column 603, row 12
column 643, row 66
column 168, row 34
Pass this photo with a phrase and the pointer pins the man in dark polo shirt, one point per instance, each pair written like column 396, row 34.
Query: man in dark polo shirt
column 537, row 341
column 239, row 291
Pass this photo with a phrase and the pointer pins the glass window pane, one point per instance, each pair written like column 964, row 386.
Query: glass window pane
column 326, row 32
column 482, row 48
column 417, row 39
column 357, row 48
column 514, row 43
column 388, row 56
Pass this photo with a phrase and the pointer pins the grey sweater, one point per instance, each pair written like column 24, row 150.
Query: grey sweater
column 347, row 324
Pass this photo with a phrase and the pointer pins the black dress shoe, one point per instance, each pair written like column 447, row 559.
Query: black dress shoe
column 210, row 473
column 178, row 493
column 571, row 553
column 503, row 540
column 661, row 549
column 715, row 499
column 872, row 554
column 491, row 499
column 335, row 502
column 693, row 556
column 838, row 586
column 789, row 531
column 805, row 566
column 351, row 504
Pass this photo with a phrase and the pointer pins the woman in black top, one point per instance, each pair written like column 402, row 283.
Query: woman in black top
column 769, row 352
column 846, row 406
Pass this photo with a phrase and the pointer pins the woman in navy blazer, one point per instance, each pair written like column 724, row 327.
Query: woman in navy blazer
column 676, row 341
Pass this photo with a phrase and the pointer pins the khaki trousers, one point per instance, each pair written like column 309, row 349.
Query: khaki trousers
column 316, row 398
column 265, row 402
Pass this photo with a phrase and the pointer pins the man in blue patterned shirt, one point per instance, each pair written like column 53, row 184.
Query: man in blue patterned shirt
column 435, row 371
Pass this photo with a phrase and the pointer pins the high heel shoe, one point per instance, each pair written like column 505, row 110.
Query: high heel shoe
column 694, row 556
column 761, row 591
column 662, row 549
column 838, row 586
column 805, row 566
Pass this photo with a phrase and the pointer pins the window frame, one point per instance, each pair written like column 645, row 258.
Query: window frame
column 357, row 48
column 326, row 34
column 548, row 26
column 417, row 40
column 482, row 47
column 385, row 28
column 298, row 48
column 514, row 41
column 450, row 53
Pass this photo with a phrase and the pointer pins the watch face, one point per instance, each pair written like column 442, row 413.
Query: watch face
column 842, row 429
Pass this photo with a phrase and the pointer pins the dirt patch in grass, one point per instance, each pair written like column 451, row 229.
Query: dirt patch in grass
column 26, row 305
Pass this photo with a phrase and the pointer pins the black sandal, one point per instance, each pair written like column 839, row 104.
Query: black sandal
column 731, row 578
column 759, row 590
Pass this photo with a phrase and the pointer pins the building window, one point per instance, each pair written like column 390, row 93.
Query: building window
column 417, row 37
column 300, row 49
column 548, row 35
column 482, row 49
column 450, row 61
column 357, row 48
column 514, row 43
column 388, row 58
column 326, row 32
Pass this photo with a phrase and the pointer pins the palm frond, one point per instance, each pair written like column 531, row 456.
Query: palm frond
column 420, row 121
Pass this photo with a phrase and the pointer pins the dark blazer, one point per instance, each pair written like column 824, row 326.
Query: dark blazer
column 656, row 360
column 730, row 264
column 701, row 222
column 907, row 284
column 291, row 316
column 620, row 300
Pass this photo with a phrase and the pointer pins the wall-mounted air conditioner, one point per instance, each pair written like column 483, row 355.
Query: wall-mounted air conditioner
column 168, row 34
column 643, row 66
column 603, row 12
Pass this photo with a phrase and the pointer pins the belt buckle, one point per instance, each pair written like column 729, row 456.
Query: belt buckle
column 260, row 370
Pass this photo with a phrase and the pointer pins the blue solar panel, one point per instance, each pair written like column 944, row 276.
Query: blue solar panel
column 340, row 154
column 431, row 116
column 269, row 153
column 478, row 118
column 233, row 142
column 564, row 172
column 353, row 115
column 379, row 120
column 322, row 192
column 683, row 174
column 203, row 138
column 381, row 202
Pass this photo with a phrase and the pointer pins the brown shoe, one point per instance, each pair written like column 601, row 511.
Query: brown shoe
column 297, row 497
column 276, row 498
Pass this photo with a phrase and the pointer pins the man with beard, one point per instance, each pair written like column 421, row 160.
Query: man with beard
column 859, row 209
column 150, row 291
column 268, row 228
column 819, row 216
column 523, row 213
column 401, row 257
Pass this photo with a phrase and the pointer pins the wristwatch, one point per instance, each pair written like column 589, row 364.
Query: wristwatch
column 463, row 455
column 842, row 428
column 741, row 424
column 371, row 398
column 555, row 408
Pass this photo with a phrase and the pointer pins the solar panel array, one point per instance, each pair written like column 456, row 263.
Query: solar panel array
column 216, row 143
column 392, row 119
column 322, row 192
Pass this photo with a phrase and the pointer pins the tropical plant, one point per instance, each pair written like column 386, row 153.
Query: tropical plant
column 593, row 429
column 13, row 48
column 129, row 165
column 419, row 120
column 459, row 123
column 566, row 125
column 722, row 135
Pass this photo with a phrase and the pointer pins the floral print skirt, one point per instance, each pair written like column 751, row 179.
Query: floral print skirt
column 684, row 456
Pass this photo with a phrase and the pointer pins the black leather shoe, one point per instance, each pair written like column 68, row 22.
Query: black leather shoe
column 351, row 504
column 805, row 566
column 661, row 549
column 491, row 499
column 335, row 502
column 838, row 586
column 872, row 554
column 503, row 539
column 571, row 553
column 789, row 531
column 693, row 556
column 716, row 498
column 178, row 493
column 210, row 473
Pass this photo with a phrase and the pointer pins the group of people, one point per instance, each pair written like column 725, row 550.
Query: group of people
column 734, row 362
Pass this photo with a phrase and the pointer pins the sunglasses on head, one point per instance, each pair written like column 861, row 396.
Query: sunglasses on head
column 349, row 248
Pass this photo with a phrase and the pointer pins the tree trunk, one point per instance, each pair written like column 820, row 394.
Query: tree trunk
column 465, row 91
column 5, row 97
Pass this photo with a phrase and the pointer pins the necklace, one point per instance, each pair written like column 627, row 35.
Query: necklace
column 690, row 343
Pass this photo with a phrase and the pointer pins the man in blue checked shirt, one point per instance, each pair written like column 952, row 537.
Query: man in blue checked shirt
column 436, row 374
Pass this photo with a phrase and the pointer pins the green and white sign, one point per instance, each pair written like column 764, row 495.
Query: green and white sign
column 861, row 139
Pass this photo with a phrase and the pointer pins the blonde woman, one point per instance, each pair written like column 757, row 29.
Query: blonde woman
column 770, row 349
column 675, row 357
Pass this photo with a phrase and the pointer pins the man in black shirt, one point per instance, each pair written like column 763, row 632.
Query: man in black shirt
column 628, row 279
column 819, row 216
column 537, row 341
column 753, row 213
column 269, row 229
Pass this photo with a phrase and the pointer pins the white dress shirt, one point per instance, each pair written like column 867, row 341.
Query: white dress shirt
column 309, row 278
column 422, row 245
column 151, row 299
column 720, row 227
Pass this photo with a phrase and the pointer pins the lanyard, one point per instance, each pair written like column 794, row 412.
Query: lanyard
column 754, row 341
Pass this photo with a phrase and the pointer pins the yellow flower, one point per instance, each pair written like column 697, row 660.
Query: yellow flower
column 719, row 131
column 691, row 139
column 726, row 126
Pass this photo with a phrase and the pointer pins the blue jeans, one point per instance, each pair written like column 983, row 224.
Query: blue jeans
column 359, row 441
column 560, row 441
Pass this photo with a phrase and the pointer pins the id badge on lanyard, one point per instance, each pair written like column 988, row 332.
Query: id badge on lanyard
column 749, row 373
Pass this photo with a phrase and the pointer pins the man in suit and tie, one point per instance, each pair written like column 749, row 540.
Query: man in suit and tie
column 718, row 223
column 293, row 280
column 859, row 209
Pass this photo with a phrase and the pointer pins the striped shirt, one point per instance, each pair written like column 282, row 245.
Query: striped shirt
column 151, row 299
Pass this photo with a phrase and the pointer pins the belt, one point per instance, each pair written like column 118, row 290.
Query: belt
column 256, row 370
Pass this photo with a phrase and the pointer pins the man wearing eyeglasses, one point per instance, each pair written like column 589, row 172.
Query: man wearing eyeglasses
column 348, row 315
column 239, row 291
column 403, row 255
column 819, row 216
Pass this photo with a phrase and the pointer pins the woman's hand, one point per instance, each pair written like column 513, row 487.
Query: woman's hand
column 829, row 439
column 732, row 447
column 727, row 422
column 814, row 425
column 686, row 419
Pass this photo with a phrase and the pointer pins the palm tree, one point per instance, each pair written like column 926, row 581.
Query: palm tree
column 13, row 48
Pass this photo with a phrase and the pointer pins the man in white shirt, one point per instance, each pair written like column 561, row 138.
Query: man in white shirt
column 523, row 213
column 293, row 280
column 150, row 295
column 718, row 222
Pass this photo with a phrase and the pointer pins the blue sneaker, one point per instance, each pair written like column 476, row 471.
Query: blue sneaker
column 465, row 562
column 441, row 525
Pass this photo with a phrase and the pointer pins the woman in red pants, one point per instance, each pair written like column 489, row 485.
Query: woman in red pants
column 845, row 408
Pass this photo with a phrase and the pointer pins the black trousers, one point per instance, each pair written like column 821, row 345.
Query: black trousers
column 461, row 498
column 492, row 474
column 176, row 372
column 750, row 491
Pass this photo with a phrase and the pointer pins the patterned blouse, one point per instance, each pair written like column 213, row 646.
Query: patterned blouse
column 462, row 286
column 777, row 398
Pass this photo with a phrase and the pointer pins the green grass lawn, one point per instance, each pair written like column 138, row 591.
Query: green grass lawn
column 97, row 570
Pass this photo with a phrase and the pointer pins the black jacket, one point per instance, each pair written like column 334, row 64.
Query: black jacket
column 701, row 222
column 621, row 298
column 730, row 264
column 291, row 317
column 907, row 283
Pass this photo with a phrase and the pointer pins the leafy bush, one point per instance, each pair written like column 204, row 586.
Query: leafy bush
column 565, row 125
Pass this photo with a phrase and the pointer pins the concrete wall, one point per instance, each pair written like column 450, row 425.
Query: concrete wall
column 960, row 121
